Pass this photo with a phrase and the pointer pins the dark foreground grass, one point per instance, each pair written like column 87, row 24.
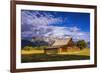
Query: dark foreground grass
column 47, row 58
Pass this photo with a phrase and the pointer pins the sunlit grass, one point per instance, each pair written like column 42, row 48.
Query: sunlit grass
column 34, row 51
column 85, row 52
column 38, row 55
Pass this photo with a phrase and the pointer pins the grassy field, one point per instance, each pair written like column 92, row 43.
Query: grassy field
column 44, row 57
column 34, row 51
column 39, row 56
column 84, row 52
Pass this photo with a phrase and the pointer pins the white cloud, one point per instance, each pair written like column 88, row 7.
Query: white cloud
column 26, row 33
column 55, row 31
column 37, row 19
column 63, row 32
column 74, row 29
column 39, row 24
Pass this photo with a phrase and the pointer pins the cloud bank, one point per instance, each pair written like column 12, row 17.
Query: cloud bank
column 37, row 23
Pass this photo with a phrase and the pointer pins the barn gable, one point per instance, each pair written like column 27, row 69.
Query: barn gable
column 62, row 42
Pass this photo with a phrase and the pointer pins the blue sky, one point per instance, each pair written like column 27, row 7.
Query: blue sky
column 55, row 24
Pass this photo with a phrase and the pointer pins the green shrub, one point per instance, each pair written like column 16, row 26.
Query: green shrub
column 28, row 48
column 81, row 44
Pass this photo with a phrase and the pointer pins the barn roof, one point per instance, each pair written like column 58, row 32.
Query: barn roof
column 61, row 42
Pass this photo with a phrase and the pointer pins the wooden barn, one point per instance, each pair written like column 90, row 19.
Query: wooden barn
column 60, row 46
